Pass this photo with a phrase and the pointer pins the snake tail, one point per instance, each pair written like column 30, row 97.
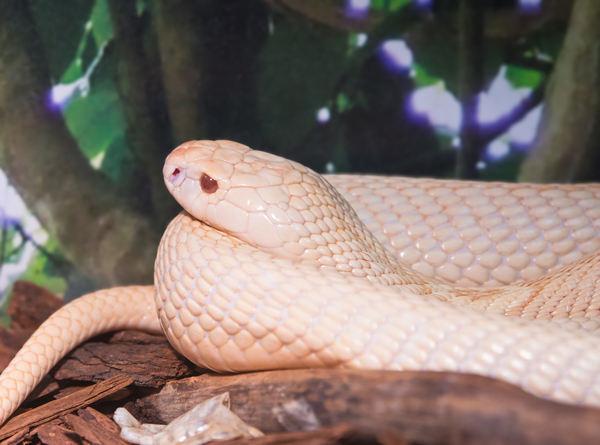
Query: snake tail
column 93, row 314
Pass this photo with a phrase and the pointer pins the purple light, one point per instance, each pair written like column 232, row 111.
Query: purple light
column 530, row 6
column 62, row 94
column 498, row 149
column 357, row 8
column 396, row 55
column 424, row 3
column 439, row 106
column 323, row 115
column 523, row 132
column 500, row 99
column 361, row 39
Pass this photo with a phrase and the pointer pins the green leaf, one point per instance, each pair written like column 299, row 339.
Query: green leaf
column 101, row 23
column 61, row 25
column 40, row 273
column 523, row 77
column 422, row 78
column 343, row 102
column 74, row 71
column 378, row 4
column 397, row 4
column 140, row 6
column 118, row 160
column 97, row 120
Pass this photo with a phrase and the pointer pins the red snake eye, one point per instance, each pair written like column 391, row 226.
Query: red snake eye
column 208, row 184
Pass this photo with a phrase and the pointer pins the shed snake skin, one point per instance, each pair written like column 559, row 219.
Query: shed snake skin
column 269, row 267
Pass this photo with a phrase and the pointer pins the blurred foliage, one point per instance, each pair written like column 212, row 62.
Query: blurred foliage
column 303, row 67
column 43, row 271
column 293, row 86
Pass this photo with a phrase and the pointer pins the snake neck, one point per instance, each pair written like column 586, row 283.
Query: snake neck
column 355, row 250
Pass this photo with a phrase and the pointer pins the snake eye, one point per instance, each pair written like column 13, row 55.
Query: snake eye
column 208, row 184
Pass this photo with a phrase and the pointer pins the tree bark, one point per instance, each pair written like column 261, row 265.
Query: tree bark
column 233, row 33
column 95, row 227
column 142, row 97
column 419, row 407
column 182, row 66
column 470, row 84
column 568, row 138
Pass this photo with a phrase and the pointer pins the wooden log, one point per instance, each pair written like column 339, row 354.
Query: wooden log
column 326, row 436
column 422, row 407
column 148, row 359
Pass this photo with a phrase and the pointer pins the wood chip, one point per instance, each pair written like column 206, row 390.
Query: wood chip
column 95, row 428
column 16, row 438
column 72, row 402
column 52, row 434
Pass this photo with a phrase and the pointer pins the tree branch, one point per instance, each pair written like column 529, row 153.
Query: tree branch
column 470, row 84
column 145, row 108
column 491, row 131
column 182, row 64
column 567, row 145
column 95, row 227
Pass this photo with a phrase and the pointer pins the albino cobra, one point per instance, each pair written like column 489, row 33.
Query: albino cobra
column 270, row 267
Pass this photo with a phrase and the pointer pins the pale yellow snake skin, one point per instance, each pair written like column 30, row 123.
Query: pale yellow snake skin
column 275, row 270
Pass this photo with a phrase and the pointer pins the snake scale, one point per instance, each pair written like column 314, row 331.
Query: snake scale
column 273, row 266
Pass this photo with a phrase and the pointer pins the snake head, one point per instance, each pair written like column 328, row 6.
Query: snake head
column 273, row 204
column 237, row 190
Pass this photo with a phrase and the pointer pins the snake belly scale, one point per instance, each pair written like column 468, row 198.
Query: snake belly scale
column 270, row 267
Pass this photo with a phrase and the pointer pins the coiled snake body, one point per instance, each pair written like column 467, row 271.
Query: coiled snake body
column 270, row 267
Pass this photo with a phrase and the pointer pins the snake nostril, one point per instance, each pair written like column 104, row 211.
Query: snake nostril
column 174, row 175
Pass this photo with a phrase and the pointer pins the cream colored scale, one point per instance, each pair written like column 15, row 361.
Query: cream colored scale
column 477, row 234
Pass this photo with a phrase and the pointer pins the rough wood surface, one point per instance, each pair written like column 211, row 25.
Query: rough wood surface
column 424, row 407
column 381, row 407
column 29, row 306
column 67, row 404
column 95, row 427
column 148, row 359
column 324, row 436
column 53, row 434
